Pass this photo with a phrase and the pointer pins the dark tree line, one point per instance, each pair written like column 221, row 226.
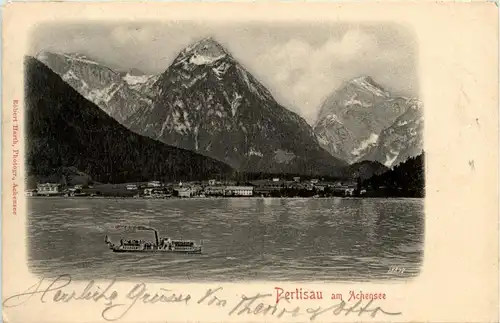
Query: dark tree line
column 407, row 179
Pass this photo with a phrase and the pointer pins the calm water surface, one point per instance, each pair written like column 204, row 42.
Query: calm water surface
column 244, row 238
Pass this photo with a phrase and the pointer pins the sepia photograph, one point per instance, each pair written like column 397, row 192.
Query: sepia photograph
column 250, row 162
column 224, row 151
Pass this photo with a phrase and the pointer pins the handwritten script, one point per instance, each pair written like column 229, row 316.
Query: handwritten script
column 116, row 306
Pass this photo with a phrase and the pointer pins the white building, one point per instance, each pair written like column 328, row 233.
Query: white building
column 239, row 190
column 184, row 192
column 154, row 184
column 214, row 190
column 48, row 188
column 30, row 193
column 320, row 188
column 131, row 187
column 349, row 191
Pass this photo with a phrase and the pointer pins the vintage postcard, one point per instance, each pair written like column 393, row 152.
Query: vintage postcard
column 250, row 162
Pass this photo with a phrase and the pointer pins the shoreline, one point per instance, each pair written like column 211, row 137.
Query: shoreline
column 222, row 198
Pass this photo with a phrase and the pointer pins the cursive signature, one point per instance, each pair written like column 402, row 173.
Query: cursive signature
column 57, row 292
column 250, row 306
column 346, row 309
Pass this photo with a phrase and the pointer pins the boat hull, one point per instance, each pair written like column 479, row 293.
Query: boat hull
column 184, row 251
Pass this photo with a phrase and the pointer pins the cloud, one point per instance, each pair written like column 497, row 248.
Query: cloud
column 306, row 74
column 355, row 44
column 130, row 34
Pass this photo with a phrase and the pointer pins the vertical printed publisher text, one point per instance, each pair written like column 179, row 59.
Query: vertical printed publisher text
column 15, row 154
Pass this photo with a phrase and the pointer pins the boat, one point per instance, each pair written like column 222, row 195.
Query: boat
column 158, row 245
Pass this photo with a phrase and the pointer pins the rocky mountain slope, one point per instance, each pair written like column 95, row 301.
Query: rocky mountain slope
column 117, row 94
column 352, row 119
column 66, row 130
column 209, row 103
column 401, row 140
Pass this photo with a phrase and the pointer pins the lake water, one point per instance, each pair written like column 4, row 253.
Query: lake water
column 342, row 239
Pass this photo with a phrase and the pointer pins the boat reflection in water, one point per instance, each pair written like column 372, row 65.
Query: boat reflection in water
column 159, row 245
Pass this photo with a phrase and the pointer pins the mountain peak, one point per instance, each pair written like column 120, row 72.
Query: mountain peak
column 365, row 78
column 208, row 41
column 43, row 55
column 206, row 51
column 367, row 83
column 208, row 47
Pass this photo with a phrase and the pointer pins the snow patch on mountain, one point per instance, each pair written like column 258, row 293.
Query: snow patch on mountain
column 80, row 58
column 164, row 126
column 332, row 118
column 235, row 103
column 184, row 62
column 179, row 126
column 195, row 132
column 365, row 83
column 365, row 144
column 354, row 101
column 103, row 95
column 221, row 69
column 198, row 59
column 134, row 80
column 73, row 80
column 194, row 80
column 254, row 152
column 389, row 160
column 70, row 76
column 113, row 92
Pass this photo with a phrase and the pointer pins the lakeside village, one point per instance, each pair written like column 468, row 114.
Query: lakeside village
column 275, row 187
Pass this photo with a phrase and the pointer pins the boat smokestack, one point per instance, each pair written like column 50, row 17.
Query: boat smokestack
column 156, row 238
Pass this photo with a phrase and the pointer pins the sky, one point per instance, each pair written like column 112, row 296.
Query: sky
column 299, row 62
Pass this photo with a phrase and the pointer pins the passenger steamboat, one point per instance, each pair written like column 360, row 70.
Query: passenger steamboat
column 159, row 245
